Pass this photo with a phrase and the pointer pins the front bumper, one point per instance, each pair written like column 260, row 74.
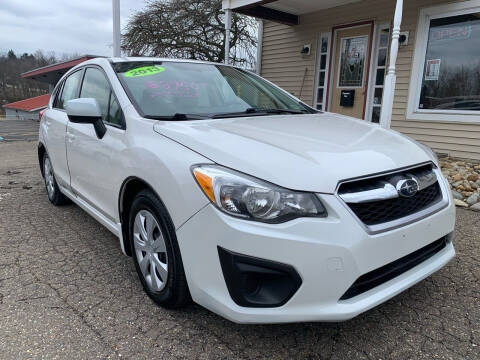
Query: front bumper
column 329, row 254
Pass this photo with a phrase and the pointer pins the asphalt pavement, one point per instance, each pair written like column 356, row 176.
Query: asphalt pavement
column 18, row 130
column 67, row 292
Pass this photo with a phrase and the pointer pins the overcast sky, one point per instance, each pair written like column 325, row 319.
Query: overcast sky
column 63, row 26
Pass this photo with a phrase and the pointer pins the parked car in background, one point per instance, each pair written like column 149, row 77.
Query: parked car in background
column 40, row 114
column 228, row 190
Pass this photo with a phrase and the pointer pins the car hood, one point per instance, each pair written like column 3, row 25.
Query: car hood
column 300, row 152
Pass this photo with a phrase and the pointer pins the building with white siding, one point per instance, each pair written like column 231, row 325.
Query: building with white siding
column 28, row 109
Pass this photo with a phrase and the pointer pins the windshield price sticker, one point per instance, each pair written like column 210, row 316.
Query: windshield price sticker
column 175, row 88
column 144, row 71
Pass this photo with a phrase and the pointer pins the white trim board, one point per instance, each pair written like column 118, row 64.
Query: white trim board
column 373, row 67
column 318, row 54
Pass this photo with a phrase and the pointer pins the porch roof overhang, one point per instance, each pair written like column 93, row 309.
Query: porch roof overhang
column 282, row 11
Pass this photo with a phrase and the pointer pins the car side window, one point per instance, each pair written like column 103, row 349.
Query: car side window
column 95, row 85
column 56, row 99
column 115, row 115
column 70, row 89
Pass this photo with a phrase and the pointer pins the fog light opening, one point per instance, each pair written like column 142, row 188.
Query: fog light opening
column 255, row 282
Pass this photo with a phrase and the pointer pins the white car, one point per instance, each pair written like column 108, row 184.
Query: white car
column 227, row 190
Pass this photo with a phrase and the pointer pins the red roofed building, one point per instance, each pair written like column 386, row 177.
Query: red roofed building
column 27, row 109
column 50, row 74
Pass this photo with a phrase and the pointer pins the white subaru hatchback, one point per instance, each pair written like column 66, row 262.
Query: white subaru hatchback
column 227, row 190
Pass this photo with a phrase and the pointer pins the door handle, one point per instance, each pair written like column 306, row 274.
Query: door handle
column 48, row 123
column 70, row 137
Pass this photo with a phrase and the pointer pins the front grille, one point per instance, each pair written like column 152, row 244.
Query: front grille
column 386, row 204
column 388, row 272
column 378, row 212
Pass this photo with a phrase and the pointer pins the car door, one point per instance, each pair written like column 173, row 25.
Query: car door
column 95, row 164
column 55, row 127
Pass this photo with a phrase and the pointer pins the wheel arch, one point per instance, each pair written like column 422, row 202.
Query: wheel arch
column 41, row 150
column 131, row 186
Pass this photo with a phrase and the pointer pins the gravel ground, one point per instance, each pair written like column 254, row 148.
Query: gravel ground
column 67, row 292
column 464, row 179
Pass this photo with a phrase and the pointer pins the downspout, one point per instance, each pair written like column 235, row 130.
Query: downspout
column 259, row 47
column 390, row 81
column 228, row 27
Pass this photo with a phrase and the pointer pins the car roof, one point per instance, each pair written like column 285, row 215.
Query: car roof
column 104, row 61
column 147, row 58
column 114, row 60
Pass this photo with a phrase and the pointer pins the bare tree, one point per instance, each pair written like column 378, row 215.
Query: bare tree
column 12, row 86
column 190, row 29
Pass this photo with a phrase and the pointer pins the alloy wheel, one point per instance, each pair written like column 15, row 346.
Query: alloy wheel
column 150, row 250
column 49, row 178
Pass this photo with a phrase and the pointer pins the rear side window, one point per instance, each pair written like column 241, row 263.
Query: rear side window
column 70, row 89
column 56, row 100
column 95, row 85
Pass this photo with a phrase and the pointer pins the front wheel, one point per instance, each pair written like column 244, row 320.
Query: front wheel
column 156, row 253
column 54, row 194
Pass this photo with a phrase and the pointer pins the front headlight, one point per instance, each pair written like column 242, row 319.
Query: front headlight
column 246, row 197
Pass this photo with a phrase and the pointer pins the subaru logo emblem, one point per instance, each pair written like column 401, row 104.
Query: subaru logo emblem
column 407, row 187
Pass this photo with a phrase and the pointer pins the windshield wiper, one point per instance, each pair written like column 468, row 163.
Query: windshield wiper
column 253, row 111
column 282, row 111
column 177, row 117
column 258, row 111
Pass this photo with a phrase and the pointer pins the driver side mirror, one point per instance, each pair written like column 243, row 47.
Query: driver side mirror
column 86, row 111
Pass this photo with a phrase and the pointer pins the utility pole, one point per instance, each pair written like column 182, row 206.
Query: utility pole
column 228, row 27
column 116, row 27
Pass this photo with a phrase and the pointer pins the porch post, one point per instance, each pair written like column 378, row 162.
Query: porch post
column 228, row 26
column 389, row 89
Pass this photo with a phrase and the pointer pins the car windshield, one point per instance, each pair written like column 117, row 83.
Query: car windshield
column 184, row 91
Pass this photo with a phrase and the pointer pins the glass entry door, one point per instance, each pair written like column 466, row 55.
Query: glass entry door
column 350, row 71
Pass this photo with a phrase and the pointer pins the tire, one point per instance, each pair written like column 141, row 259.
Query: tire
column 53, row 191
column 155, row 252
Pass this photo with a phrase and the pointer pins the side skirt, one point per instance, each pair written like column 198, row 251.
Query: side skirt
column 114, row 228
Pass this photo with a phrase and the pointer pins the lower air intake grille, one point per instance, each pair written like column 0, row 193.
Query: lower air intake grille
column 388, row 272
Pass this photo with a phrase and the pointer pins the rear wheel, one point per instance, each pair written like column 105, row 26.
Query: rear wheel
column 54, row 194
column 156, row 253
